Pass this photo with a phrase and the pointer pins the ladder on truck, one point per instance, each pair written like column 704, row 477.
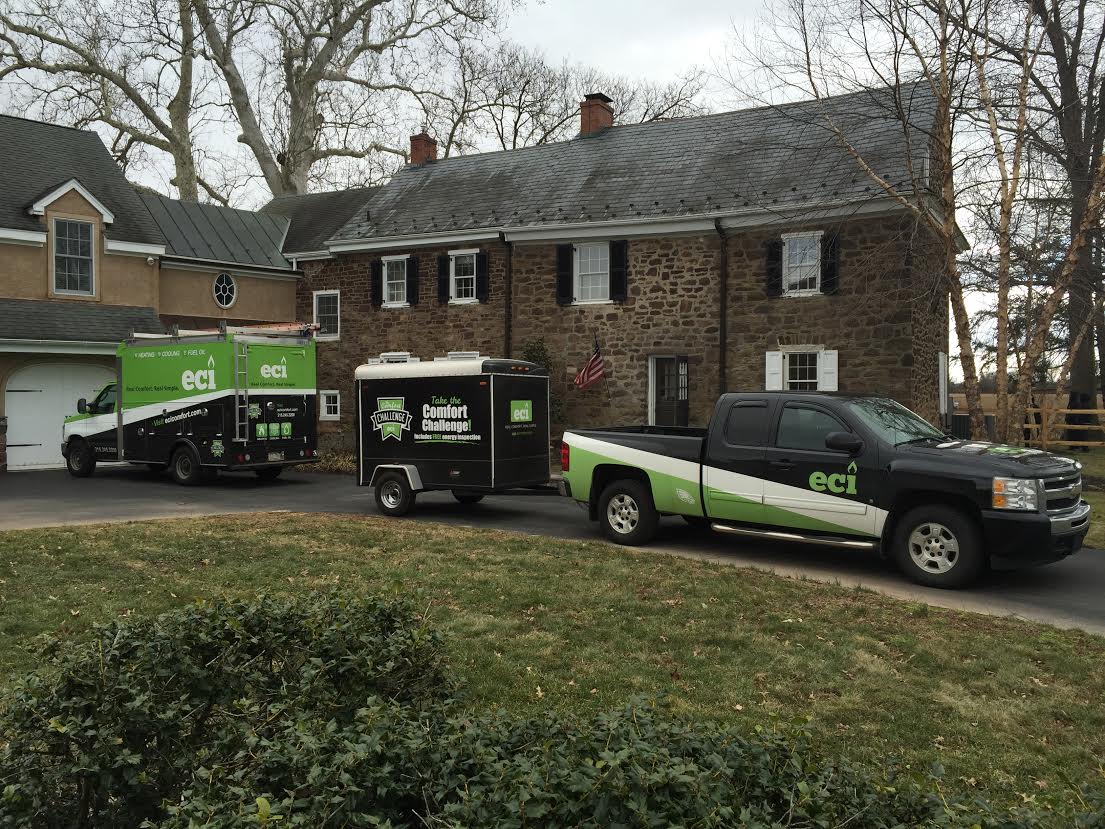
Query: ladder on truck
column 241, row 391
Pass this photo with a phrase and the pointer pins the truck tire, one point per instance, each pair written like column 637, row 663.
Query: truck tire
column 627, row 514
column 939, row 546
column 467, row 497
column 185, row 467
column 81, row 462
column 269, row 473
column 393, row 494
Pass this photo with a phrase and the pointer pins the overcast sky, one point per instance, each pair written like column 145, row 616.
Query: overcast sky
column 654, row 39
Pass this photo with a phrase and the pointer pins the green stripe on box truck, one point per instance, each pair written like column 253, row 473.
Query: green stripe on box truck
column 175, row 371
column 282, row 366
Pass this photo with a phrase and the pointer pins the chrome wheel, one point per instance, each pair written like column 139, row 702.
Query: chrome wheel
column 391, row 493
column 623, row 514
column 933, row 547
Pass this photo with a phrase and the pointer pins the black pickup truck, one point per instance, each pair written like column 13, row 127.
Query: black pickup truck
column 841, row 470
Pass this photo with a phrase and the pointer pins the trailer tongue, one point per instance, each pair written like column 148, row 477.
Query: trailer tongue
column 465, row 423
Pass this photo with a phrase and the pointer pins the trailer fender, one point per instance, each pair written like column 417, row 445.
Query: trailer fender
column 413, row 478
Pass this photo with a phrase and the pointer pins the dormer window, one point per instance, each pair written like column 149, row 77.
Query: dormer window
column 74, row 270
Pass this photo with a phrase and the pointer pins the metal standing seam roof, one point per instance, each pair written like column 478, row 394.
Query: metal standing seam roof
column 34, row 319
column 39, row 157
column 770, row 159
column 218, row 234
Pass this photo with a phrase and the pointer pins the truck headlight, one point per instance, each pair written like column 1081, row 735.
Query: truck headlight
column 1016, row 494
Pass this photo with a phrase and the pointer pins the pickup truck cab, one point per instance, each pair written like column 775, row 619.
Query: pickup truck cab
column 851, row 471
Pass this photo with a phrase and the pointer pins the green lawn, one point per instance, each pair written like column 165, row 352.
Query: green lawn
column 1008, row 707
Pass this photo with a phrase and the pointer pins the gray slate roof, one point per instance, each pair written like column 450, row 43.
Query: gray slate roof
column 33, row 319
column 315, row 217
column 768, row 158
column 218, row 234
column 39, row 157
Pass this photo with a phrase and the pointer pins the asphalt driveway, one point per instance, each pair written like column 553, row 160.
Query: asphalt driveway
column 1068, row 594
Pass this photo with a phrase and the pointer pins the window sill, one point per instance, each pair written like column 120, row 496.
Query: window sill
column 327, row 338
column 395, row 305
column 472, row 301
column 329, row 418
column 593, row 302
column 813, row 292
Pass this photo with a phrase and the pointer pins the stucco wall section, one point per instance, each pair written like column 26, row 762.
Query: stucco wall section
column 118, row 280
column 189, row 293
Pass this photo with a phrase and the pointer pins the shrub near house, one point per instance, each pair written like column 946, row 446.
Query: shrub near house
column 329, row 711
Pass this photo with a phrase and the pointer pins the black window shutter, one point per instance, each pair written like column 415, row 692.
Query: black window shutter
column 376, row 288
column 830, row 262
column 773, row 261
column 565, row 292
column 412, row 281
column 619, row 271
column 443, row 279
column 482, row 286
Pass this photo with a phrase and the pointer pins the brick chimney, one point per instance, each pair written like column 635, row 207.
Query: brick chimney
column 423, row 148
column 595, row 113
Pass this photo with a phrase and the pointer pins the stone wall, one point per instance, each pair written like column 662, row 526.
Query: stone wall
column 885, row 322
column 426, row 329
column 869, row 321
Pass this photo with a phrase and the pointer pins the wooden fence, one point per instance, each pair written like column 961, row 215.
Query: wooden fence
column 1049, row 427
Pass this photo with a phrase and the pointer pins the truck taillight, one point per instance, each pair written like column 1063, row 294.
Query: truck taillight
column 565, row 456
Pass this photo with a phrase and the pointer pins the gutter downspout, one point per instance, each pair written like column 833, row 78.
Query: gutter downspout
column 508, row 303
column 723, row 311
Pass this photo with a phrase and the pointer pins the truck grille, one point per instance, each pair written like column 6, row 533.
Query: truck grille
column 1063, row 492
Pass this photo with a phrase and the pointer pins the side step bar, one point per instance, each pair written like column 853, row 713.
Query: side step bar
column 775, row 535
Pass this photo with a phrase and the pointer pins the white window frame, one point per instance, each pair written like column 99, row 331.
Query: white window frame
column 215, row 291
column 788, row 353
column 405, row 302
column 322, row 414
column 54, row 255
column 815, row 235
column 314, row 313
column 777, row 372
column 453, row 299
column 576, row 274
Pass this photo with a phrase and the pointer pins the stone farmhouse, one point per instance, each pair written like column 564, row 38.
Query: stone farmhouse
column 741, row 250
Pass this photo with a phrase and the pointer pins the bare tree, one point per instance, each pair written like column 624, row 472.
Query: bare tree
column 507, row 96
column 315, row 80
column 131, row 66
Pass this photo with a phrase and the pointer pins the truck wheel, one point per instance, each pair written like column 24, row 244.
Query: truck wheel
column 467, row 497
column 269, row 473
column 627, row 514
column 939, row 546
column 393, row 495
column 185, row 467
column 81, row 461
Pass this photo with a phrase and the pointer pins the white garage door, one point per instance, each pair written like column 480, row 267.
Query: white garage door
column 36, row 401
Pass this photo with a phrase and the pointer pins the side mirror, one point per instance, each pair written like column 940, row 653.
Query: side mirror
column 82, row 406
column 843, row 442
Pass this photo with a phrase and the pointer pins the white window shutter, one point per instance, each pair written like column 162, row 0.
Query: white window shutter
column 774, row 371
column 826, row 371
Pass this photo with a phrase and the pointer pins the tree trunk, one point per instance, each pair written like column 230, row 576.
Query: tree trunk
column 1083, row 374
column 185, row 177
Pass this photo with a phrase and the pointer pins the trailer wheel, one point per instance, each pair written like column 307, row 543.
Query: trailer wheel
column 393, row 495
column 81, row 462
column 627, row 513
column 467, row 497
column 185, row 467
column 269, row 473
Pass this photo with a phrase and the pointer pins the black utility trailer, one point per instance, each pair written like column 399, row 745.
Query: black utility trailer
column 468, row 424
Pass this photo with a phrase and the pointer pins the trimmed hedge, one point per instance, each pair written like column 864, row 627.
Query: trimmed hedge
column 324, row 712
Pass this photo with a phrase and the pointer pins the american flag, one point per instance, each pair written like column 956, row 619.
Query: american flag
column 593, row 370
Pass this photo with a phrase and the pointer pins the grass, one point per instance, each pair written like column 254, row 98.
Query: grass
column 1010, row 708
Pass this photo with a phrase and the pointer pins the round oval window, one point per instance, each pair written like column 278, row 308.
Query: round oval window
column 225, row 290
